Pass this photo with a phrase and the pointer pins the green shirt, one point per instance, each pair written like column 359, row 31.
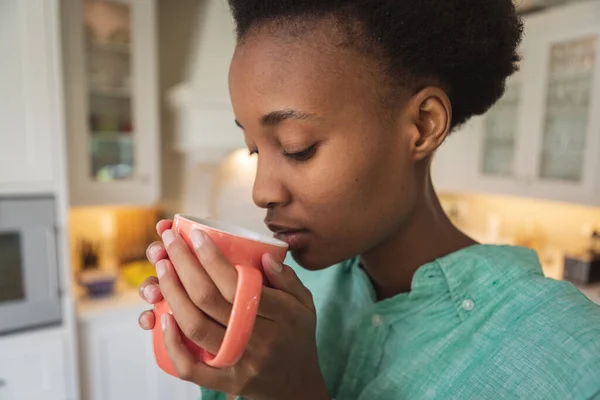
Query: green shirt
column 480, row 323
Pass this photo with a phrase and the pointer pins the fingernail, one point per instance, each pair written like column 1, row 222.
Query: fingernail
column 161, row 268
column 275, row 265
column 163, row 322
column 144, row 320
column 197, row 237
column 148, row 292
column 152, row 250
column 168, row 236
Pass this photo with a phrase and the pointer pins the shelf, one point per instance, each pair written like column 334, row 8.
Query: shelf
column 110, row 91
column 111, row 134
column 121, row 48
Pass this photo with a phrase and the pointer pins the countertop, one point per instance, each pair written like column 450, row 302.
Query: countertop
column 591, row 291
column 125, row 299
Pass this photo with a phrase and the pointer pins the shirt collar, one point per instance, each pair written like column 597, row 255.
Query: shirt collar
column 473, row 273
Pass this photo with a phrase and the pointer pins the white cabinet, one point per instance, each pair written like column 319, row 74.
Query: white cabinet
column 29, row 95
column 112, row 101
column 32, row 366
column 542, row 139
column 563, row 101
column 117, row 362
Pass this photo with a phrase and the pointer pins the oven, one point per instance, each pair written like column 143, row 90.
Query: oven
column 29, row 284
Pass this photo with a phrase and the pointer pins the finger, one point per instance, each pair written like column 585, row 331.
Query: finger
column 198, row 284
column 186, row 365
column 219, row 269
column 274, row 303
column 163, row 225
column 283, row 278
column 147, row 320
column 196, row 325
column 156, row 252
column 149, row 290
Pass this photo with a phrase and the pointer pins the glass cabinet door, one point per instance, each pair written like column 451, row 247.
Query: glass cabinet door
column 568, row 97
column 499, row 145
column 111, row 131
column 12, row 285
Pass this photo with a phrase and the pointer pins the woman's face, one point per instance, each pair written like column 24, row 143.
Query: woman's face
column 335, row 170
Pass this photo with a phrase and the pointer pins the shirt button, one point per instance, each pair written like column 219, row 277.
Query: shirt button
column 376, row 320
column 468, row 304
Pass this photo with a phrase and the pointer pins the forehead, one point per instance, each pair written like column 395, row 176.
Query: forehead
column 312, row 69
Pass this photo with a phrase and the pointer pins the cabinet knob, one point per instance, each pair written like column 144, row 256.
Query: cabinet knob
column 2, row 383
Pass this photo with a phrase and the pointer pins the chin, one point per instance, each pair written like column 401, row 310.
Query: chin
column 313, row 261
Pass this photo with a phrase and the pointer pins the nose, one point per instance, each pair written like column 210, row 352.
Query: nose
column 269, row 190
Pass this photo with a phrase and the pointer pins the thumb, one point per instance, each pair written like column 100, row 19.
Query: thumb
column 283, row 278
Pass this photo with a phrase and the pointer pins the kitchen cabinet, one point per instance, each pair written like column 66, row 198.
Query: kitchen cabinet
column 542, row 139
column 29, row 95
column 564, row 97
column 112, row 101
column 117, row 362
column 32, row 366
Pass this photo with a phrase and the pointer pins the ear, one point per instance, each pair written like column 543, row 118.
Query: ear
column 431, row 113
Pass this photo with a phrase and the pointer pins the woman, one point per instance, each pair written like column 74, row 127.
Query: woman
column 345, row 103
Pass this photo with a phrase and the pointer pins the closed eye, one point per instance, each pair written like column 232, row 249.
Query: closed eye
column 302, row 155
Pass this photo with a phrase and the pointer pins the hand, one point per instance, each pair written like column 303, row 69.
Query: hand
column 281, row 358
column 150, row 290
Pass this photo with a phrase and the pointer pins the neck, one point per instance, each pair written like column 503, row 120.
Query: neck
column 428, row 234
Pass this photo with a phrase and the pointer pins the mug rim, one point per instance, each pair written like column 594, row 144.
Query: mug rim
column 233, row 230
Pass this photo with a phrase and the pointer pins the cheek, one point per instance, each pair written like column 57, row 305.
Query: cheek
column 353, row 208
column 351, row 186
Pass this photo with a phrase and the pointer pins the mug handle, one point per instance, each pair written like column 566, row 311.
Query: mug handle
column 241, row 321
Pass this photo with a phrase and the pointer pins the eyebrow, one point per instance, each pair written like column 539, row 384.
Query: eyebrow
column 276, row 117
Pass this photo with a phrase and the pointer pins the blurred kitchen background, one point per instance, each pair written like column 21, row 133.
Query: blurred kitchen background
column 116, row 113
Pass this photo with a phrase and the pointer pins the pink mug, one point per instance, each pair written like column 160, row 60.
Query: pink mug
column 244, row 249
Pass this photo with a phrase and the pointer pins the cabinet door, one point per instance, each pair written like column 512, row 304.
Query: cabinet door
column 32, row 366
column 28, row 94
column 486, row 153
column 499, row 142
column 118, row 362
column 112, row 106
column 565, row 126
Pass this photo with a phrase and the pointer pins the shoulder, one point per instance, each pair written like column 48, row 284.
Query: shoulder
column 557, row 330
column 542, row 325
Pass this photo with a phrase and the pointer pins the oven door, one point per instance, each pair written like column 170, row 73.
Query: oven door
column 29, row 292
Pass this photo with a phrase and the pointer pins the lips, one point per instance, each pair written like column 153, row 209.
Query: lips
column 296, row 238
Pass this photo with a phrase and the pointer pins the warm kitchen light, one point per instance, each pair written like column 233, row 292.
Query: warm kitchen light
column 243, row 161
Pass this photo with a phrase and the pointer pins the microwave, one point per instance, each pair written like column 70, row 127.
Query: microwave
column 29, row 272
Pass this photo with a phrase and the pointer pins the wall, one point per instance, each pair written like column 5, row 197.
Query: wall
column 177, row 22
column 225, row 191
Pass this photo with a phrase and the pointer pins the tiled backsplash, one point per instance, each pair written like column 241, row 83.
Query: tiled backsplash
column 536, row 223
column 120, row 233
